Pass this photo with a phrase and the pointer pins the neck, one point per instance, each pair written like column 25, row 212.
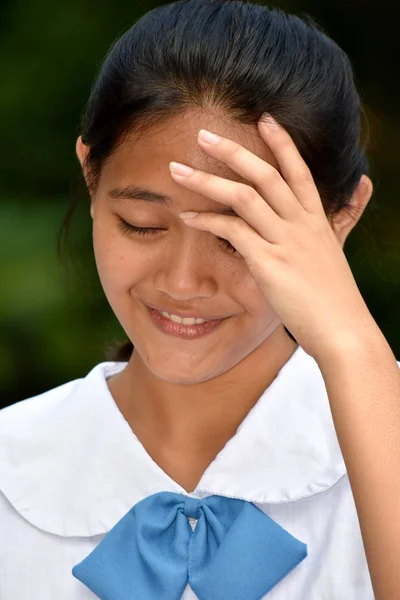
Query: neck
column 176, row 422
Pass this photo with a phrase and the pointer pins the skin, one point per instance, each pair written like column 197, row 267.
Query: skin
column 168, row 390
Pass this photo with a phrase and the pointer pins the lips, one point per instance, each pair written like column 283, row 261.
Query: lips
column 185, row 315
column 188, row 332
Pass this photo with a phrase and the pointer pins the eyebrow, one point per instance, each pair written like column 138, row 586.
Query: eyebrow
column 134, row 192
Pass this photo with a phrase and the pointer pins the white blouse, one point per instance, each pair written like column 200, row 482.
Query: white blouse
column 71, row 468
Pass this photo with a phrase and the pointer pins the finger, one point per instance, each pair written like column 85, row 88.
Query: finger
column 238, row 233
column 242, row 198
column 293, row 167
column 259, row 173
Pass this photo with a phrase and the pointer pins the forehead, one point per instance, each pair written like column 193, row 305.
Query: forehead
column 147, row 153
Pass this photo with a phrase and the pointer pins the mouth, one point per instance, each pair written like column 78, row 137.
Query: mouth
column 185, row 315
column 188, row 332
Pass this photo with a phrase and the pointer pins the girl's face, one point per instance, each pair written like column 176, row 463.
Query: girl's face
column 179, row 268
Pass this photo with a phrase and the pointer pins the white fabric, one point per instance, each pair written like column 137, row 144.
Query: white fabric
column 71, row 468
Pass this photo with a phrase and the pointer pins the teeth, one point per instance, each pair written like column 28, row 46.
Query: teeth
column 185, row 321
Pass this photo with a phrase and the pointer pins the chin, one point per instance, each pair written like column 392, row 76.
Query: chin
column 180, row 372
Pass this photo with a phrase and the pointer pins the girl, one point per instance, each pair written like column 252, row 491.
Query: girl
column 245, row 443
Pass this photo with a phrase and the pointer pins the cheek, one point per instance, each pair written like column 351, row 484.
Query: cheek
column 120, row 263
column 105, row 250
column 254, row 300
column 112, row 256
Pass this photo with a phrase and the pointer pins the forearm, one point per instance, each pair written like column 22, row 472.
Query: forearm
column 362, row 379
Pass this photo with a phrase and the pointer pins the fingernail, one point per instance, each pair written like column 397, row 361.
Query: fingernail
column 180, row 169
column 209, row 137
column 188, row 215
column 269, row 121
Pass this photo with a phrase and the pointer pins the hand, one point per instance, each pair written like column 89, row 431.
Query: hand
column 284, row 236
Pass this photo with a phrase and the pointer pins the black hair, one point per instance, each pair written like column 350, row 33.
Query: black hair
column 245, row 58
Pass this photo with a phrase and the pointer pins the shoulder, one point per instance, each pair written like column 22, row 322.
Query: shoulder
column 28, row 428
column 29, row 407
column 32, row 411
column 37, row 413
column 26, row 412
column 44, row 441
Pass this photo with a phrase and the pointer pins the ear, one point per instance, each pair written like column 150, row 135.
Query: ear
column 343, row 222
column 82, row 151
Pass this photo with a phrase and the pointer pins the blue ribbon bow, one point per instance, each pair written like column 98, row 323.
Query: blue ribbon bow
column 235, row 552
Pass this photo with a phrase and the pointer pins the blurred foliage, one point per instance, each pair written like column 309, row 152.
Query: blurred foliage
column 54, row 318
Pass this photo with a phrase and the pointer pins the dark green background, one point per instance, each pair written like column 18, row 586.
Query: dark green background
column 54, row 318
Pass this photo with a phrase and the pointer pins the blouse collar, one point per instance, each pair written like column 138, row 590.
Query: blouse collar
column 71, row 465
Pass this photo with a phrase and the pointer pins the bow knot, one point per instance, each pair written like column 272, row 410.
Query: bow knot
column 236, row 551
column 191, row 507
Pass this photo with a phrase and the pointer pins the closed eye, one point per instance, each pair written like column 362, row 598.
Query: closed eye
column 143, row 231
column 127, row 227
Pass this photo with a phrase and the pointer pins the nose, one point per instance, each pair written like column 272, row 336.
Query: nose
column 188, row 269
